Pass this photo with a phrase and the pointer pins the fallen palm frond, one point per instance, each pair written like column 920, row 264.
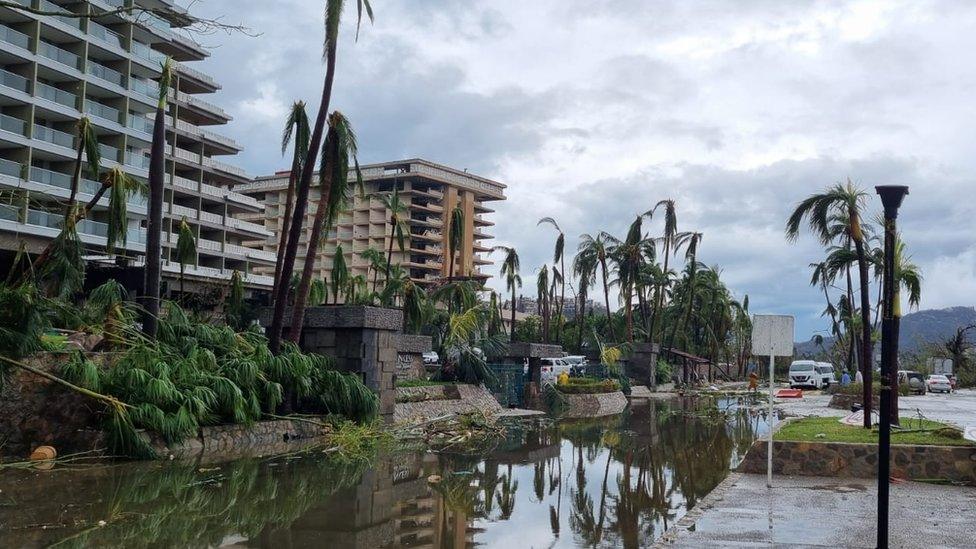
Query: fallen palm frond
column 474, row 431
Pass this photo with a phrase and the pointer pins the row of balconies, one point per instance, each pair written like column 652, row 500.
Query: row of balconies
column 48, row 220
column 214, row 247
column 203, row 160
column 214, row 191
column 178, row 211
column 58, row 180
column 213, row 272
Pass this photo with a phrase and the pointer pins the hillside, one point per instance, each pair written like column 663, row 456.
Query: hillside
column 917, row 329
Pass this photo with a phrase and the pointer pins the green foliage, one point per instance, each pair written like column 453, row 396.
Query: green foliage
column 23, row 320
column 237, row 313
column 199, row 374
column 663, row 371
column 588, row 386
column 913, row 431
column 63, row 274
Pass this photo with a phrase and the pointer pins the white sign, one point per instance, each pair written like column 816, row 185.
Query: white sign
column 772, row 335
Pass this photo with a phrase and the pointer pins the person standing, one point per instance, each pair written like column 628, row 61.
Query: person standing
column 845, row 379
column 858, row 377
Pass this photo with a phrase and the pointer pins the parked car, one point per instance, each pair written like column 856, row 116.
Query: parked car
column 552, row 367
column 827, row 375
column 939, row 383
column 914, row 380
column 431, row 357
column 803, row 373
column 577, row 364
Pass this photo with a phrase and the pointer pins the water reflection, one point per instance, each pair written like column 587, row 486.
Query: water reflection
column 619, row 481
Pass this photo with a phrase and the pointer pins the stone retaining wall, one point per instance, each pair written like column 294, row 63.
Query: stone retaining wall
column 227, row 442
column 845, row 402
column 470, row 398
column 839, row 459
column 596, row 405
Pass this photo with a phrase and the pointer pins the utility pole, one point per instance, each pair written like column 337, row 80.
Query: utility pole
column 891, row 198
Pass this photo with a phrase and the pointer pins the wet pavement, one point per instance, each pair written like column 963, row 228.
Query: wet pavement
column 825, row 512
column 958, row 408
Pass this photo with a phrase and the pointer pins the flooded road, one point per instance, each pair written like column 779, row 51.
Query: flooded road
column 612, row 482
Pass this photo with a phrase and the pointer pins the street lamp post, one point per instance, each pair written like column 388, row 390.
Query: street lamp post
column 891, row 198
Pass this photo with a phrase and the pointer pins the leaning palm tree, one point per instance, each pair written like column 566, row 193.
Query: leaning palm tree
column 398, row 224
column 339, row 150
column 154, row 224
column 558, row 256
column 691, row 255
column 513, row 281
column 848, row 202
column 296, row 126
column 377, row 263
column 584, row 268
column 89, row 149
column 542, row 300
column 670, row 241
column 333, row 15
column 907, row 275
column 594, row 250
column 455, row 238
column 186, row 250
column 628, row 260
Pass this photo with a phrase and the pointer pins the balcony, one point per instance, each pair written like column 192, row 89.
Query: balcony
column 105, row 35
column 13, row 125
column 108, row 152
column 14, row 81
column 145, row 52
column 139, row 123
column 73, row 22
column 104, row 73
column 58, row 55
column 199, row 103
column 11, row 168
column 62, row 180
column 16, row 38
column 104, row 112
column 224, row 167
column 136, row 160
column 56, row 95
column 196, row 75
column 147, row 88
column 183, row 154
column 55, row 137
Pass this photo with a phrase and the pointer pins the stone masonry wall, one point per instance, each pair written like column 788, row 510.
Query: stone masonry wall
column 470, row 398
column 597, row 405
column 837, row 459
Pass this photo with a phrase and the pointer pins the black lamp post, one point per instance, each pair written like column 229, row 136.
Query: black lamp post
column 891, row 198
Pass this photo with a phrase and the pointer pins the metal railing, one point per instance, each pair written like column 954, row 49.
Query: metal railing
column 140, row 123
column 105, row 112
column 14, row 81
column 136, row 160
column 146, row 87
column 104, row 73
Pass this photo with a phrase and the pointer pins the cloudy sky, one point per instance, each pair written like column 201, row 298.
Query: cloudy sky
column 593, row 110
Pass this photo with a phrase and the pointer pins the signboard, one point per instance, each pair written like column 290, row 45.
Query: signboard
column 772, row 335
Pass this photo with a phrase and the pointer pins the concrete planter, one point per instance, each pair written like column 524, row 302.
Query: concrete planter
column 594, row 405
column 443, row 400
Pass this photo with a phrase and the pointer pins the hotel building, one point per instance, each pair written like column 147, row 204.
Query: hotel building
column 56, row 69
column 431, row 192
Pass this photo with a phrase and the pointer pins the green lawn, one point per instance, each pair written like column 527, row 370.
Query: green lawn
column 807, row 429
column 422, row 383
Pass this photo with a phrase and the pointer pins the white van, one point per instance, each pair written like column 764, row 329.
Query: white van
column 803, row 373
column 827, row 375
column 552, row 367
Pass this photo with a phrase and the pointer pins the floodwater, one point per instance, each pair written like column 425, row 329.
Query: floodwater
column 619, row 481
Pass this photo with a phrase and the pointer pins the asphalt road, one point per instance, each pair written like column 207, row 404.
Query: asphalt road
column 958, row 408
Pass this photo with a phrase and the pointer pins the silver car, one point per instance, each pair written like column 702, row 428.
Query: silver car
column 938, row 383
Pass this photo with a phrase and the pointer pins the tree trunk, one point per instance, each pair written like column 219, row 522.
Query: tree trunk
column 562, row 300
column 389, row 253
column 513, row 314
column 580, row 317
column 867, row 367
column 629, row 314
column 154, row 225
column 606, row 299
column 295, row 230
column 305, row 285
column 75, row 179
column 286, row 222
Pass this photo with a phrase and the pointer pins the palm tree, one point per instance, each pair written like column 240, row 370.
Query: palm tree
column 594, row 250
column 907, row 274
column 584, row 267
column 542, row 300
column 513, row 281
column 627, row 255
column 340, row 147
column 333, row 14
column 87, row 147
column 339, row 273
column 398, row 224
column 234, row 307
column 848, row 201
column 671, row 240
column 558, row 256
column 455, row 238
column 186, row 250
column 377, row 262
column 154, row 223
column 691, row 255
column 297, row 126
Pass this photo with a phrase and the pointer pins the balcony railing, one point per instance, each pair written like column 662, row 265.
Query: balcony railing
column 62, row 180
column 54, row 53
column 224, row 167
column 136, row 160
column 106, row 35
column 104, row 73
column 146, row 87
column 180, row 67
column 104, row 112
column 108, row 152
column 53, row 136
column 56, row 95
column 140, row 123
column 13, row 125
column 147, row 53
column 74, row 22
column 14, row 81
column 16, row 38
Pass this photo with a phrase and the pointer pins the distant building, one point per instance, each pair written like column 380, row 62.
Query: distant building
column 431, row 192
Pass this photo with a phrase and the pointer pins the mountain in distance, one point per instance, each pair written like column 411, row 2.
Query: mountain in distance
column 918, row 329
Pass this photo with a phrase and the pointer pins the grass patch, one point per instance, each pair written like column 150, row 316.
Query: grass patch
column 588, row 386
column 917, row 431
column 422, row 383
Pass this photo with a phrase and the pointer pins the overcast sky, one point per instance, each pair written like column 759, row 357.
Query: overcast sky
column 593, row 110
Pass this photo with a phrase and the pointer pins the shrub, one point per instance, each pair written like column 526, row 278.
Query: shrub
column 588, row 386
column 663, row 372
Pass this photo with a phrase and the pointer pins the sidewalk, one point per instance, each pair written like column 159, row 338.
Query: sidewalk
column 824, row 512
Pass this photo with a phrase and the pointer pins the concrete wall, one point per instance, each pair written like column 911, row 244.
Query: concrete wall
column 837, row 459
column 597, row 405
column 443, row 400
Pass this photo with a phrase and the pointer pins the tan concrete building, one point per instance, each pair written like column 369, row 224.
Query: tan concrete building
column 431, row 192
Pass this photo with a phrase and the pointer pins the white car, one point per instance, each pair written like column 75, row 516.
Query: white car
column 552, row 367
column 576, row 362
column 431, row 357
column 803, row 373
column 938, row 383
column 827, row 376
